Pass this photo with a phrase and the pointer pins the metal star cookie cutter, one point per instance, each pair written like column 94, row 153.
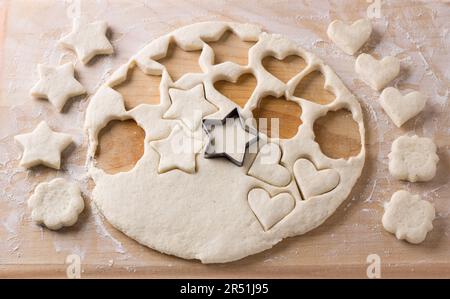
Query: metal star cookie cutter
column 209, row 126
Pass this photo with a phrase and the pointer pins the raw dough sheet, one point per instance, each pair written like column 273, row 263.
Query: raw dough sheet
column 338, row 248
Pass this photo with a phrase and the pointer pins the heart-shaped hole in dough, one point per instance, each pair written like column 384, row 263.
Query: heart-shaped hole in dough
column 238, row 92
column 272, row 110
column 284, row 69
column 312, row 88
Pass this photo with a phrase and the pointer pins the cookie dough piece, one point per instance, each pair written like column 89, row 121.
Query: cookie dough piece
column 349, row 38
column 377, row 73
column 43, row 146
column 57, row 84
column 88, row 40
column 177, row 151
column 267, row 167
column 312, row 181
column 408, row 217
column 413, row 159
column 56, row 204
column 270, row 210
column 400, row 108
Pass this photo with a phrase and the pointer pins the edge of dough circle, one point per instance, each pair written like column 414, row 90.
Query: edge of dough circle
column 220, row 213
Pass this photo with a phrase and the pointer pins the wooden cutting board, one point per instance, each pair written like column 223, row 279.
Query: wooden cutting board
column 338, row 248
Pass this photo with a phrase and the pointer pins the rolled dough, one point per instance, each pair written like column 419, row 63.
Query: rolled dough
column 212, row 213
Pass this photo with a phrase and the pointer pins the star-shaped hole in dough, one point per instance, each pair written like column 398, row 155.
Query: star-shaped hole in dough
column 57, row 84
column 43, row 146
column 177, row 151
column 88, row 40
column 229, row 137
column 190, row 106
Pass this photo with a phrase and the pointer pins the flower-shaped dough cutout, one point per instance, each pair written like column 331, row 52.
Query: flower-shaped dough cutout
column 56, row 203
column 408, row 217
column 413, row 159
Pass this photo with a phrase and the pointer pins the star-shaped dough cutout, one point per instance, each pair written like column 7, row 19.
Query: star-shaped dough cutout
column 177, row 151
column 229, row 137
column 88, row 40
column 190, row 106
column 57, row 84
column 43, row 146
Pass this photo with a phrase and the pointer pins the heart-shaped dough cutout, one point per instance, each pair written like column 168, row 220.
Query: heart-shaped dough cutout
column 377, row 73
column 284, row 69
column 270, row 211
column 240, row 91
column 314, row 182
column 267, row 168
column 349, row 38
column 401, row 108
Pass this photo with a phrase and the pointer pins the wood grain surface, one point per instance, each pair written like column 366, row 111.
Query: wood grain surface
column 338, row 248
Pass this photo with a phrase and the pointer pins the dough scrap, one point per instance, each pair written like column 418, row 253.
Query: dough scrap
column 56, row 204
column 400, row 108
column 88, row 40
column 57, row 84
column 413, row 159
column 270, row 211
column 377, row 73
column 43, row 146
column 266, row 166
column 349, row 38
column 313, row 182
column 408, row 217
column 206, row 214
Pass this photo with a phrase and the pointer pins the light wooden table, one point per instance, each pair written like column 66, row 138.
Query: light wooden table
column 415, row 33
